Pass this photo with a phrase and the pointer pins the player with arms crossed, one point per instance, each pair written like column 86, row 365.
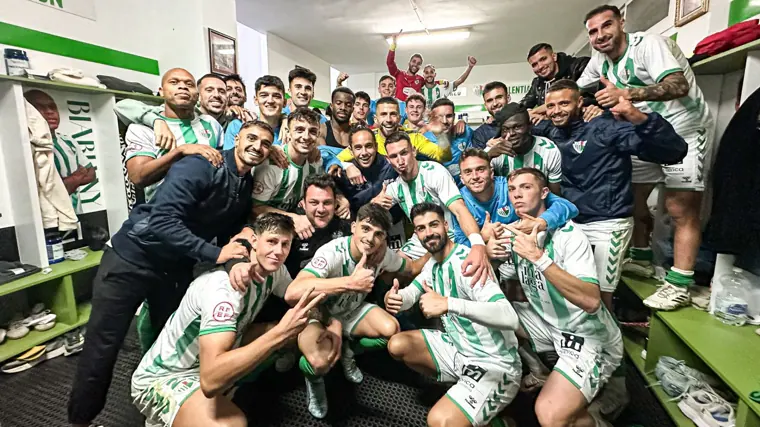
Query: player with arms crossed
column 564, row 312
column 335, row 271
column 210, row 341
column 477, row 348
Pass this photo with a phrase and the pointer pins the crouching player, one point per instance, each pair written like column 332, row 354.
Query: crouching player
column 477, row 348
column 211, row 341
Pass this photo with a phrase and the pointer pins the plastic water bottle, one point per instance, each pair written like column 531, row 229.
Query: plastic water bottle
column 731, row 301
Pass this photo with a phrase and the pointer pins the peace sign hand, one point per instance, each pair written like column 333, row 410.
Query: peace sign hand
column 526, row 245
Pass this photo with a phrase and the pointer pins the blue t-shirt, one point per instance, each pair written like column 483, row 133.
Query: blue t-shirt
column 458, row 145
column 233, row 129
column 373, row 111
column 558, row 211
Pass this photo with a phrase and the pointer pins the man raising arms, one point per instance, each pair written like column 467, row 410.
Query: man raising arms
column 407, row 82
column 477, row 348
column 657, row 77
column 433, row 90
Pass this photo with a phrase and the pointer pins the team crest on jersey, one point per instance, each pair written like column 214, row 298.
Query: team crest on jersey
column 579, row 146
column 504, row 211
column 207, row 133
column 337, row 234
column 223, row 312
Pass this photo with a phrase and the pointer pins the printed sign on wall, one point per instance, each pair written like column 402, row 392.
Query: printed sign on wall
column 83, row 8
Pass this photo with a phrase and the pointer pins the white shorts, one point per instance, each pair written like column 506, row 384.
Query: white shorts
column 689, row 175
column 609, row 240
column 585, row 362
column 484, row 386
column 352, row 318
column 160, row 402
column 413, row 247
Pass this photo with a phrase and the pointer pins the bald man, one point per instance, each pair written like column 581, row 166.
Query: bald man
column 75, row 169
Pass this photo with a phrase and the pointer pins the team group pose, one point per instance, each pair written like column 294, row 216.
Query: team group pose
column 516, row 233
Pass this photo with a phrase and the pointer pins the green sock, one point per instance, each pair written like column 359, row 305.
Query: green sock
column 641, row 254
column 145, row 333
column 370, row 344
column 306, row 368
column 680, row 278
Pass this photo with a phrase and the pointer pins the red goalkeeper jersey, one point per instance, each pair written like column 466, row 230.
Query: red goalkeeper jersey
column 406, row 84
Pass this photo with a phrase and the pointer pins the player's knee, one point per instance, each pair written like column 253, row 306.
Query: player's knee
column 682, row 208
column 319, row 363
column 548, row 414
column 388, row 327
column 437, row 418
column 236, row 420
column 398, row 345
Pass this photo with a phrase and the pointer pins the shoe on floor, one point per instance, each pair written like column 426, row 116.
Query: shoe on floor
column 38, row 308
column 316, row 396
column 28, row 360
column 668, row 297
column 707, row 409
column 351, row 371
column 17, row 330
column 55, row 348
column 681, row 367
column 700, row 297
column 645, row 270
column 74, row 341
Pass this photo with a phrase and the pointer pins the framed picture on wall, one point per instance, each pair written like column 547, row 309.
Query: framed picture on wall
column 689, row 10
column 222, row 53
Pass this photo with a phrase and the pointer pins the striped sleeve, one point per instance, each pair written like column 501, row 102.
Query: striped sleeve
column 221, row 305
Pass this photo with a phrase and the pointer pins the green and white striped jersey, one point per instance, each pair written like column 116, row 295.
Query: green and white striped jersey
column 282, row 188
column 209, row 306
column 470, row 338
column 571, row 251
column 141, row 141
column 648, row 59
column 68, row 157
column 435, row 93
column 433, row 184
column 544, row 156
column 334, row 259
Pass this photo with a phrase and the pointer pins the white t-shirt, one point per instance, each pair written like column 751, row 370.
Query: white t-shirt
column 282, row 188
column 334, row 259
column 649, row 59
column 432, row 184
column 544, row 156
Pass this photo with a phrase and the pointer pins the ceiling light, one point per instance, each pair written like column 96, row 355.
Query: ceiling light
column 435, row 36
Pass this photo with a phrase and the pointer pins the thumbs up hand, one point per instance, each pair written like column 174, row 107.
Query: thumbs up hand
column 610, row 95
column 383, row 199
column 432, row 304
column 393, row 300
column 490, row 229
column 624, row 110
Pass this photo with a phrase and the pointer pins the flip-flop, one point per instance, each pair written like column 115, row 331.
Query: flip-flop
column 17, row 330
column 28, row 360
column 44, row 326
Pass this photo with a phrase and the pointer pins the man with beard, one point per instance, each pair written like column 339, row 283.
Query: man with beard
column 430, row 182
column 442, row 114
column 147, row 163
column 361, row 108
column 433, row 89
column 657, row 77
column 564, row 312
column 548, row 67
column 477, row 348
column 495, row 97
column 153, row 254
column 335, row 271
column 407, row 82
column 387, row 89
column 518, row 148
column 335, row 131
column 236, row 91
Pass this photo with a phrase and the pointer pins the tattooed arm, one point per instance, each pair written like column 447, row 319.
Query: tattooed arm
column 673, row 86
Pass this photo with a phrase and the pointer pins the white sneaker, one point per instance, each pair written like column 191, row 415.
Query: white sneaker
column 707, row 409
column 285, row 362
column 642, row 270
column 700, row 297
column 350, row 370
column 316, row 397
column 668, row 297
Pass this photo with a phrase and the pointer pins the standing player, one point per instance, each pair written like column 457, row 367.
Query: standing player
column 430, row 182
column 433, row 89
column 564, row 312
column 495, row 97
column 657, row 77
column 477, row 348
column 549, row 66
column 407, row 82
column 518, row 148
column 334, row 271
column 211, row 340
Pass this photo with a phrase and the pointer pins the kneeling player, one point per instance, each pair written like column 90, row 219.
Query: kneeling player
column 209, row 342
column 477, row 349
column 345, row 269
column 564, row 312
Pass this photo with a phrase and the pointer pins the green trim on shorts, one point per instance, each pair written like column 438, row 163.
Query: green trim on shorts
column 142, row 153
column 359, row 320
column 196, row 388
column 317, row 275
column 217, row 330
column 497, row 297
column 432, row 355
column 589, row 280
column 568, row 378
column 460, row 408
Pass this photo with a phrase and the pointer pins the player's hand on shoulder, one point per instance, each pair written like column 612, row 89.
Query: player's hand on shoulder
column 209, row 153
column 304, row 227
column 591, row 112
column 278, row 157
column 164, row 137
column 230, row 251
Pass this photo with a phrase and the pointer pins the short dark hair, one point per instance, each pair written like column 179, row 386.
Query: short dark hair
column 535, row 49
column 275, row 223
column 475, row 152
column 211, row 76
column 303, row 73
column 416, row 55
column 563, row 84
column 540, row 176
column 386, row 77
column 359, row 128
column 508, row 111
column 320, row 180
column 234, row 78
column 362, row 95
column 494, row 85
column 269, row 80
column 417, row 97
column 342, row 89
column 387, row 100
column 396, row 137
column 375, row 215
column 306, row 114
column 258, row 124
column 422, row 208
column 443, row 102
column 601, row 9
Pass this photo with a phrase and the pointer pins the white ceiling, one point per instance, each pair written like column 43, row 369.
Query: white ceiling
column 348, row 33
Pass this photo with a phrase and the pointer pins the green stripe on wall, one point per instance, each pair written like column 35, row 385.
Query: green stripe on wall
column 741, row 10
column 36, row 40
column 314, row 103
column 674, row 36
